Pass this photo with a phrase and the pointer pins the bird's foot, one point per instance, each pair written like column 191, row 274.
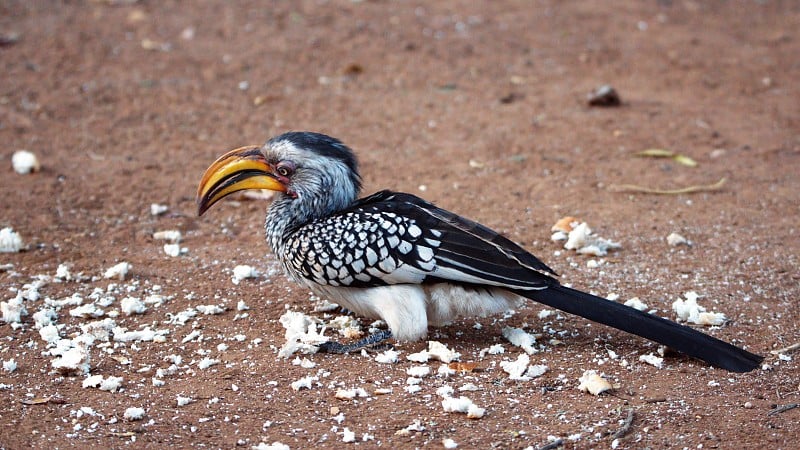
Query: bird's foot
column 370, row 341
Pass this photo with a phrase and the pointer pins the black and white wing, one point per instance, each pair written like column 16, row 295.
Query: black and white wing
column 395, row 238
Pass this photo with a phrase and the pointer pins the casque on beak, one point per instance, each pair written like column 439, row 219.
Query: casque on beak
column 237, row 170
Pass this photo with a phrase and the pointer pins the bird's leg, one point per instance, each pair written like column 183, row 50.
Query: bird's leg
column 369, row 341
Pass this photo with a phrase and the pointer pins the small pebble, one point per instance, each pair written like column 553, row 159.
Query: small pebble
column 604, row 96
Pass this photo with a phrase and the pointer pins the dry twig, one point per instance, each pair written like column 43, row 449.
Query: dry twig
column 786, row 350
column 625, row 426
column 686, row 190
column 784, row 408
column 553, row 445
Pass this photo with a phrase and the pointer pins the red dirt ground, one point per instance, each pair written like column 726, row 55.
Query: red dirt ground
column 478, row 106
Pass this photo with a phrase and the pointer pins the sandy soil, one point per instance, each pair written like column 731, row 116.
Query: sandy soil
column 480, row 107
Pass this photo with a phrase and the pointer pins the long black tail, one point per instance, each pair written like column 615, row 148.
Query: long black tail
column 678, row 337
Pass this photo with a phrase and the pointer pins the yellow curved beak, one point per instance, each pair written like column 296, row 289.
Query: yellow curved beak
column 237, row 170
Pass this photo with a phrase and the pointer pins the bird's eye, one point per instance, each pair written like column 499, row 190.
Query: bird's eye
column 285, row 168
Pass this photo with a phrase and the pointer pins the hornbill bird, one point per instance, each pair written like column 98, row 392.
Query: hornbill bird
column 397, row 257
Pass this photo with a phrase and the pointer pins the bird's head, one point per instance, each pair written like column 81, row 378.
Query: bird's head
column 310, row 169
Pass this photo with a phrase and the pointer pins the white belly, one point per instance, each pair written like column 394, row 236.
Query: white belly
column 409, row 309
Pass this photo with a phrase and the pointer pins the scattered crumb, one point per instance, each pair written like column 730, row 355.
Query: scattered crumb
column 463, row 405
column 536, row 370
column 210, row 310
column 191, row 336
column 243, row 271
column 173, row 250
column 519, row 369
column 635, row 303
column 463, row 367
column 593, row 383
column 10, row 365
column 157, row 209
column 419, row 357
column 675, row 239
column 437, row 351
column 349, row 394
column 565, row 224
column 118, row 271
column 516, row 369
column 303, row 383
column 10, row 241
column 87, row 310
column 92, row 381
column 44, row 317
column 445, row 391
column 13, row 309
column 418, row 371
column 134, row 413
column 445, row 370
column 132, row 305
column 301, row 334
column 147, row 334
column 574, row 437
column 305, row 363
column 689, row 311
column 496, row 349
column 584, row 242
column 173, row 236
column 63, row 273
column 348, row 326
column 25, row 162
column 449, row 443
column 49, row 333
column 520, row 338
column 579, row 237
column 415, row 426
column 205, row 363
column 74, row 359
column 652, row 359
column 412, row 388
column 387, row 357
column 111, row 384
column 274, row 446
column 348, row 436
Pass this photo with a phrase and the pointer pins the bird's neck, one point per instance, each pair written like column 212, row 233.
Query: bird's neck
column 288, row 213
